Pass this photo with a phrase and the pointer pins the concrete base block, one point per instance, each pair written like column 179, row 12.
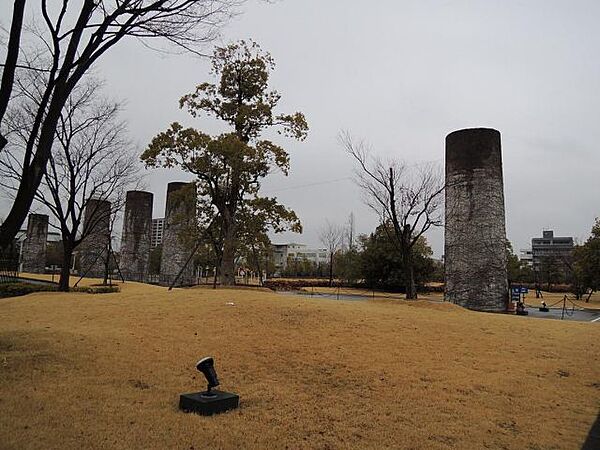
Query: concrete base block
column 200, row 403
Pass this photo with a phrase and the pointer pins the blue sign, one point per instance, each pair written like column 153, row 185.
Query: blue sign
column 516, row 290
column 524, row 290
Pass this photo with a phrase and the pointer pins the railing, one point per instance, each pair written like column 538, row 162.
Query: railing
column 9, row 270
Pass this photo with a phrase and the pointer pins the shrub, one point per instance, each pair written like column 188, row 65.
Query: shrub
column 18, row 288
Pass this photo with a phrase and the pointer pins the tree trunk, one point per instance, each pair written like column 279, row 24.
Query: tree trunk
column 215, row 275
column 228, row 258
column 10, row 65
column 32, row 175
column 331, row 269
column 65, row 270
column 107, row 271
column 105, row 278
column 258, row 267
column 409, row 274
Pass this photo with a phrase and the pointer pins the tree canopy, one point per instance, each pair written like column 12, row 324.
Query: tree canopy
column 585, row 268
column 229, row 167
column 383, row 266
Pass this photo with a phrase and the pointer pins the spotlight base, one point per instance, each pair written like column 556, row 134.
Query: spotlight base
column 200, row 403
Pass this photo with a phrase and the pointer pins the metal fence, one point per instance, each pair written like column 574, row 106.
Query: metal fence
column 9, row 270
column 168, row 279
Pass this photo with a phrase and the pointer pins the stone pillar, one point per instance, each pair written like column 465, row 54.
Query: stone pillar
column 137, row 231
column 475, row 234
column 93, row 250
column 179, row 213
column 33, row 253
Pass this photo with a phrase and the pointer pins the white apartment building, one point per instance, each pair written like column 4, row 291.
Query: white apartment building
column 526, row 256
column 299, row 252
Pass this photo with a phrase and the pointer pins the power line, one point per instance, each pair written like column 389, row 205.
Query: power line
column 318, row 183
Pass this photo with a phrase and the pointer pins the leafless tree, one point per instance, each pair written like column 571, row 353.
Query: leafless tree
column 68, row 38
column 331, row 236
column 91, row 160
column 350, row 232
column 407, row 197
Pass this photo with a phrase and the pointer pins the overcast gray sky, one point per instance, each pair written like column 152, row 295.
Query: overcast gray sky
column 402, row 75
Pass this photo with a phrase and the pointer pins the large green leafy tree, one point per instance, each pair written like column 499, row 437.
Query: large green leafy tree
column 382, row 264
column 229, row 167
column 592, row 265
column 257, row 217
column 585, row 269
column 348, row 265
column 512, row 263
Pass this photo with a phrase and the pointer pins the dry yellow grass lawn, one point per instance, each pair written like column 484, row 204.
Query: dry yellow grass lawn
column 105, row 371
column 72, row 279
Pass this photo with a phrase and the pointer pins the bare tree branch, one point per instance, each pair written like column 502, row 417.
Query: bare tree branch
column 72, row 36
column 407, row 199
column 92, row 159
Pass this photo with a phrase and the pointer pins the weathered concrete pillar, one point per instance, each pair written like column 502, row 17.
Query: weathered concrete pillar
column 93, row 250
column 176, row 248
column 33, row 253
column 475, row 234
column 137, row 230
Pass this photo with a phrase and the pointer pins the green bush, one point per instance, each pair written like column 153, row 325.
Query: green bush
column 21, row 288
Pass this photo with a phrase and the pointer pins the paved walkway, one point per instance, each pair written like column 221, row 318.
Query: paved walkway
column 578, row 314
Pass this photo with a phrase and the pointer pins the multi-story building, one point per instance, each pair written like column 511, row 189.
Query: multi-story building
column 526, row 257
column 282, row 253
column 158, row 228
column 551, row 248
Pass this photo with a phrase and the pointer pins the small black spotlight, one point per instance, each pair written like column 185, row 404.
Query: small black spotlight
column 208, row 402
column 207, row 367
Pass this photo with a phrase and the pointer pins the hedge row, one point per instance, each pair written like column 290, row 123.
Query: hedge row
column 96, row 289
column 283, row 284
column 20, row 288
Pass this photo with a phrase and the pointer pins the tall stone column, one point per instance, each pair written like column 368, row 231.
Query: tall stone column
column 137, row 233
column 475, row 234
column 176, row 247
column 93, row 250
column 34, row 247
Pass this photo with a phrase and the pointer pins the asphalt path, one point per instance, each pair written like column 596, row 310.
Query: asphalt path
column 577, row 314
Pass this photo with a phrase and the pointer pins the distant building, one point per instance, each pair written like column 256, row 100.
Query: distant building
column 282, row 253
column 526, row 257
column 158, row 227
column 550, row 247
